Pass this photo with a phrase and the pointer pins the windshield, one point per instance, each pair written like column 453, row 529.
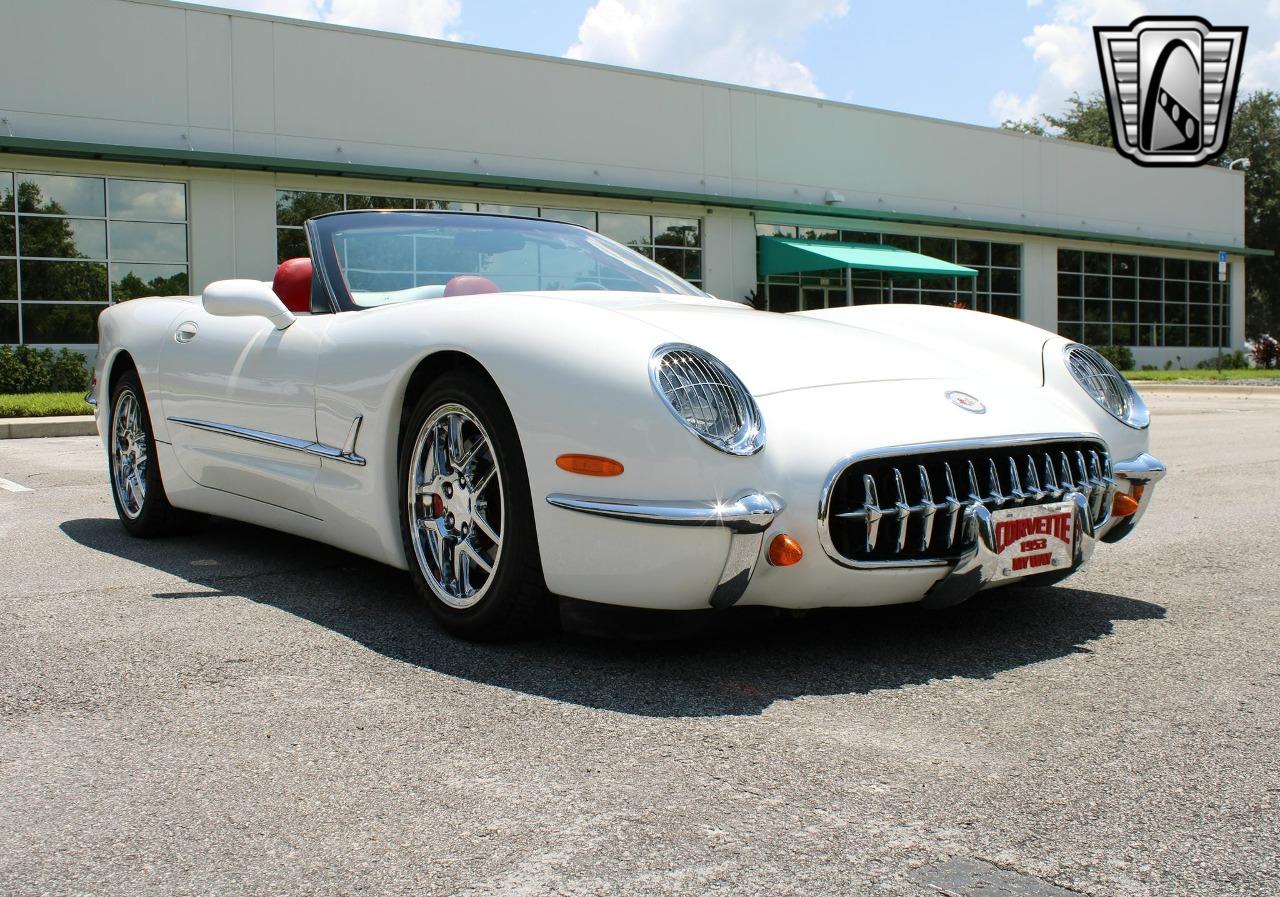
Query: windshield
column 387, row 257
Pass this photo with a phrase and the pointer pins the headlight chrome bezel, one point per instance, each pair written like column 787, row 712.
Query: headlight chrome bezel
column 1099, row 378
column 748, row 438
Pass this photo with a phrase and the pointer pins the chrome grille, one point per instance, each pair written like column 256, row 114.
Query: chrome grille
column 905, row 507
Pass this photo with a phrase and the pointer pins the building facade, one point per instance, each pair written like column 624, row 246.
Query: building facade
column 149, row 147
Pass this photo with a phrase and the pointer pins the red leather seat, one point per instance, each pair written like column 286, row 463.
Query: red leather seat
column 469, row 285
column 293, row 284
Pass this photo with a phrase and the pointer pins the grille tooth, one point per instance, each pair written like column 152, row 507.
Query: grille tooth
column 1050, row 478
column 953, row 505
column 1109, row 484
column 1034, row 492
column 997, row 497
column 871, row 505
column 927, row 521
column 903, row 509
column 928, row 509
column 1097, row 487
column 1068, row 485
column 1015, row 485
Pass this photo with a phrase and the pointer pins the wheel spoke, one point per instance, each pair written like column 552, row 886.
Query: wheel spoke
column 134, row 489
column 435, row 542
column 455, row 441
column 484, row 481
column 476, row 557
column 439, row 449
column 484, row 527
column 459, row 568
column 466, row 459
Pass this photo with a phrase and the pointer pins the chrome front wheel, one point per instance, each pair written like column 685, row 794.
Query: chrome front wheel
column 130, row 454
column 456, row 506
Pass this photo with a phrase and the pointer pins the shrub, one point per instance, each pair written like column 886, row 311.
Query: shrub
column 1120, row 356
column 68, row 372
column 12, row 377
column 35, row 368
column 1266, row 351
column 27, row 370
column 1234, row 361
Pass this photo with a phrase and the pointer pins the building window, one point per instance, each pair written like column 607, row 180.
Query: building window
column 1124, row 299
column 71, row 245
column 996, row 289
column 674, row 243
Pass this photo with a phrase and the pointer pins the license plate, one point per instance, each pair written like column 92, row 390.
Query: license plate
column 1038, row 539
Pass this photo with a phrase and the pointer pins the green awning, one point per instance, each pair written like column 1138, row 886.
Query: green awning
column 779, row 255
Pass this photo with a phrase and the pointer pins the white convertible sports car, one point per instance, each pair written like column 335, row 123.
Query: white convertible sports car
column 513, row 409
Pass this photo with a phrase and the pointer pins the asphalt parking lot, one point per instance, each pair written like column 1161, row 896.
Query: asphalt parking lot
column 241, row 712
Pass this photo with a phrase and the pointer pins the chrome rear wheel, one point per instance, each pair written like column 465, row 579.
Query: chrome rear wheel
column 456, row 506
column 130, row 454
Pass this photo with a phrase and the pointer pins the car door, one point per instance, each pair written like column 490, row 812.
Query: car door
column 239, row 397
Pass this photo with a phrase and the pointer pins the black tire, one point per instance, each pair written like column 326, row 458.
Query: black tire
column 147, row 515
column 514, row 601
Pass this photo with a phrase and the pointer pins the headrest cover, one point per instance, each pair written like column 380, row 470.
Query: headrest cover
column 293, row 284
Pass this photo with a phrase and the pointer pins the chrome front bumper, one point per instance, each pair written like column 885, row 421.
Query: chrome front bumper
column 750, row 514
column 979, row 562
column 746, row 518
column 1140, row 473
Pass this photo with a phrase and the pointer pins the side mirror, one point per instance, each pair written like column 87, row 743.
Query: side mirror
column 239, row 298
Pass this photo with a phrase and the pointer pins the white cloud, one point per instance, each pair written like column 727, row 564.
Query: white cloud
column 424, row 18
column 738, row 41
column 1064, row 49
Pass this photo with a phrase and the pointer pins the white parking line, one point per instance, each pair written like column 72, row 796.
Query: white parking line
column 11, row 486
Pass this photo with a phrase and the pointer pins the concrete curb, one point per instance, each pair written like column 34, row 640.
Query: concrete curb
column 1154, row 387
column 32, row 427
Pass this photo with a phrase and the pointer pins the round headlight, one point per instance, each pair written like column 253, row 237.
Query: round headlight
column 1106, row 386
column 708, row 398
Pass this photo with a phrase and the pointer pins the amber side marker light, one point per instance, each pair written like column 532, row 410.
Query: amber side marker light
column 784, row 551
column 589, row 465
column 1123, row 505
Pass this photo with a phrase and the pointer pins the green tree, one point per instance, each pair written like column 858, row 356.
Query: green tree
column 131, row 286
column 55, row 238
column 1084, row 120
column 1255, row 135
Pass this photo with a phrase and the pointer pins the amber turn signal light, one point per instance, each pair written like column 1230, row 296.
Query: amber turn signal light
column 589, row 465
column 784, row 551
column 1123, row 505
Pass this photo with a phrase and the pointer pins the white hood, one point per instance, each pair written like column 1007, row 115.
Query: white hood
column 777, row 352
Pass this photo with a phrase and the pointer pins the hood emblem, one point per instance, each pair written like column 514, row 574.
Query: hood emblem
column 966, row 401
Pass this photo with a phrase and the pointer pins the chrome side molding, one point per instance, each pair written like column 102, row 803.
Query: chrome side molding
column 346, row 454
column 746, row 517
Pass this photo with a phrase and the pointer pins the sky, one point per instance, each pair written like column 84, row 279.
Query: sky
column 977, row 61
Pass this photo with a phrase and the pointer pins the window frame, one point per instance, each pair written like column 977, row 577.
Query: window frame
column 1176, row 304
column 108, row 260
